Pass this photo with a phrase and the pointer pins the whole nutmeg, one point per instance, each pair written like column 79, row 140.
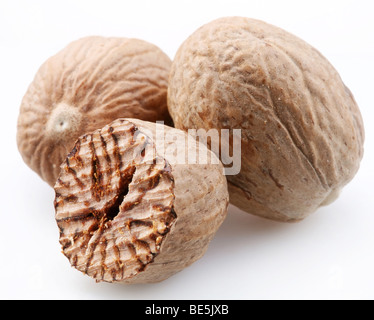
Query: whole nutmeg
column 129, row 207
column 87, row 85
column 302, row 133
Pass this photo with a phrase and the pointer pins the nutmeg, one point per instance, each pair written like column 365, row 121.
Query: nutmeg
column 85, row 86
column 302, row 133
column 130, row 210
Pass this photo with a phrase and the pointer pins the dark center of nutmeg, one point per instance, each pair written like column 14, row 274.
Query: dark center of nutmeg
column 113, row 210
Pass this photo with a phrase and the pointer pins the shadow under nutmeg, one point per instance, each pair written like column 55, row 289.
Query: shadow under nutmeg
column 241, row 229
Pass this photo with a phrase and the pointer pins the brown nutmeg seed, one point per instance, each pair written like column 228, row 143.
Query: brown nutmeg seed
column 85, row 86
column 127, row 212
column 302, row 133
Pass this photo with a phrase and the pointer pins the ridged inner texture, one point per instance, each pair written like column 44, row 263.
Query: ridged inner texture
column 114, row 203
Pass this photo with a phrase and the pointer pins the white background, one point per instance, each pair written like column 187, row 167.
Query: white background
column 327, row 256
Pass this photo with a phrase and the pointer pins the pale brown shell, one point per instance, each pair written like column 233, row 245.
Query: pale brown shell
column 127, row 212
column 87, row 85
column 302, row 131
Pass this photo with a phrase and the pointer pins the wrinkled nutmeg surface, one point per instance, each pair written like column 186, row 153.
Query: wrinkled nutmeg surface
column 127, row 213
column 302, row 131
column 85, row 86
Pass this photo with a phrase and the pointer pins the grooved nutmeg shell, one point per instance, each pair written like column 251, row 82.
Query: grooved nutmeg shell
column 85, row 86
column 302, row 133
column 129, row 207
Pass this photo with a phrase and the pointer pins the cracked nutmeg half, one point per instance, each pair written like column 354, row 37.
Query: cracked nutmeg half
column 302, row 134
column 88, row 84
column 129, row 211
